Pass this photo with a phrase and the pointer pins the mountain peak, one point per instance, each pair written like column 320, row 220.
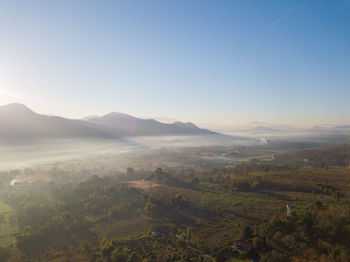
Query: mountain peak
column 117, row 114
column 16, row 108
column 188, row 124
column 90, row 117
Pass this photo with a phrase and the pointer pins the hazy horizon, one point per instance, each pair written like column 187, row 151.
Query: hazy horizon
column 227, row 63
column 209, row 125
column 183, row 130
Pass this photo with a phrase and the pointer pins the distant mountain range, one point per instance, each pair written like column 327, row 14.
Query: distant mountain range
column 18, row 122
column 126, row 125
column 261, row 129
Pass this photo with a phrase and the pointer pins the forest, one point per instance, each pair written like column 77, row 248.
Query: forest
column 228, row 212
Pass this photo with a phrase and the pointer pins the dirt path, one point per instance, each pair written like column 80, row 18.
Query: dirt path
column 142, row 184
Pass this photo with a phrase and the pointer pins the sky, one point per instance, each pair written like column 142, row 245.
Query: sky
column 223, row 62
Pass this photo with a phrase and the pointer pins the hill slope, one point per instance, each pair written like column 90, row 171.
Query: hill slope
column 18, row 122
column 126, row 125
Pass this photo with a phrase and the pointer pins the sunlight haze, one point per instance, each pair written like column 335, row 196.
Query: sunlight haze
column 188, row 60
column 174, row 130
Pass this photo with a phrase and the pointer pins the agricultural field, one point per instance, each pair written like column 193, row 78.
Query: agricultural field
column 236, row 212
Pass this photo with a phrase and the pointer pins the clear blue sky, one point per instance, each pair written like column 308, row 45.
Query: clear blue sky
column 225, row 62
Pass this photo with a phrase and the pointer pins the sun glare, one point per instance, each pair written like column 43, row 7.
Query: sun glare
column 6, row 93
column 8, row 96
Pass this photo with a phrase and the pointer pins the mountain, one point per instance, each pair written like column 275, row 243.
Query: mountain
column 89, row 117
column 126, row 125
column 162, row 119
column 18, row 122
column 265, row 129
column 344, row 127
column 330, row 130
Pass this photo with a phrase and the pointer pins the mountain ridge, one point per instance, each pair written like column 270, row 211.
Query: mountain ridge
column 128, row 125
column 19, row 122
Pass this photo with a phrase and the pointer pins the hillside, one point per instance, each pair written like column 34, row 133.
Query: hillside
column 18, row 122
column 126, row 125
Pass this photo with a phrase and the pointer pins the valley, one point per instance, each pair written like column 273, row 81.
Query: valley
column 167, row 202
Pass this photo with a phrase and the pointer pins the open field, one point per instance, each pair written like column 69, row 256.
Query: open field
column 116, row 228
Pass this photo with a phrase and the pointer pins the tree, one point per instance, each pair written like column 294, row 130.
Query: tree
column 246, row 232
column 118, row 256
column 130, row 171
